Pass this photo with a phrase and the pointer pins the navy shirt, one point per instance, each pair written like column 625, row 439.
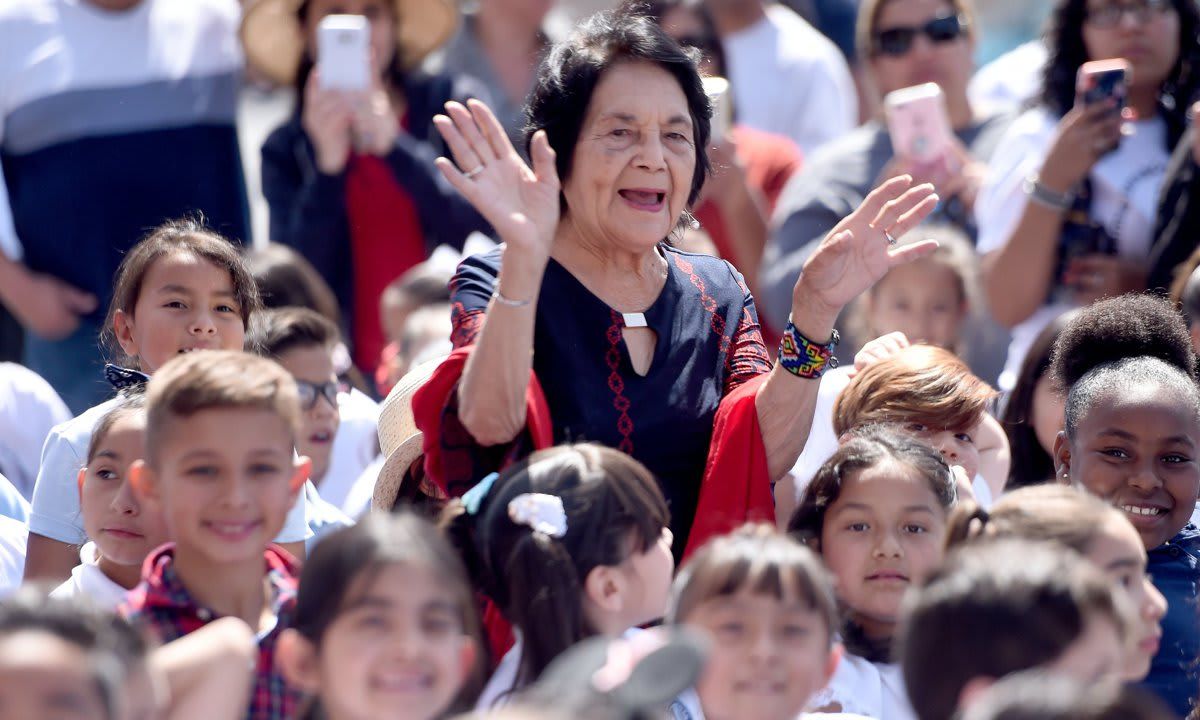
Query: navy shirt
column 708, row 343
column 1175, row 567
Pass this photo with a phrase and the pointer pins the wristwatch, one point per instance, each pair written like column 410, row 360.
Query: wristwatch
column 1043, row 195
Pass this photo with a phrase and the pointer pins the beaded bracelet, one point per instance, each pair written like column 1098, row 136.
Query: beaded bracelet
column 803, row 357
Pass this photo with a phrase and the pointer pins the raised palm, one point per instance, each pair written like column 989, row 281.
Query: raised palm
column 520, row 202
column 856, row 253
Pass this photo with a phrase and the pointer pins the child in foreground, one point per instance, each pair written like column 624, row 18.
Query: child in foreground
column 123, row 530
column 876, row 512
column 221, row 428
column 386, row 625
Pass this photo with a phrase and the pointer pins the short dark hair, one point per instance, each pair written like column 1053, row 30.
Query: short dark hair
column 1121, row 343
column 276, row 332
column 1035, row 695
column 572, row 69
column 187, row 236
column 133, row 403
column 994, row 608
column 1064, row 40
column 286, row 279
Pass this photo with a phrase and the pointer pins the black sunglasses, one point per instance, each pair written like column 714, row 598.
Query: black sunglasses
column 309, row 392
column 898, row 41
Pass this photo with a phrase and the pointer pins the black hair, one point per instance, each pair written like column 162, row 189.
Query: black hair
column 1031, row 464
column 613, row 509
column 1033, row 695
column 994, row 608
column 1064, row 39
column 1122, row 343
column 276, row 332
column 359, row 552
column 572, row 69
column 867, row 447
column 114, row 648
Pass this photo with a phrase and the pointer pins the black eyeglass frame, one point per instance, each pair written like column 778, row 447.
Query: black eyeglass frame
column 310, row 393
column 1142, row 10
column 940, row 30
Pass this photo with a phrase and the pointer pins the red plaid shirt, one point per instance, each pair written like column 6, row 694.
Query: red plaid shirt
column 164, row 606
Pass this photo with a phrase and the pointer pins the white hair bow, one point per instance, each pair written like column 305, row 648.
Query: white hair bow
column 539, row 512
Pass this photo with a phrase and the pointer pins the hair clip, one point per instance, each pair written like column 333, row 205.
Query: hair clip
column 474, row 497
column 539, row 512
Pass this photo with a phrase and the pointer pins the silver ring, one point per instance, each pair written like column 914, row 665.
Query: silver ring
column 472, row 173
column 888, row 236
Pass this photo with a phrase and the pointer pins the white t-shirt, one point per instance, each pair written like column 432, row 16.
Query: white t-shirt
column 29, row 408
column 1125, row 187
column 823, row 441
column 687, row 707
column 355, row 447
column 1009, row 81
column 13, row 538
column 789, row 79
column 859, row 686
column 56, row 513
column 89, row 581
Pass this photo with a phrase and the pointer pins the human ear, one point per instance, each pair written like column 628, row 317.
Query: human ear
column 467, row 655
column 297, row 659
column 303, row 469
column 602, row 587
column 143, row 480
column 123, row 331
column 79, row 482
column 835, row 659
column 1062, row 458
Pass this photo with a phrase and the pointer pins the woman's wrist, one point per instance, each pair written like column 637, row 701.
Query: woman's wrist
column 813, row 318
column 520, row 274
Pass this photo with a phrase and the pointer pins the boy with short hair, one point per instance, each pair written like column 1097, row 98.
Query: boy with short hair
column 221, row 428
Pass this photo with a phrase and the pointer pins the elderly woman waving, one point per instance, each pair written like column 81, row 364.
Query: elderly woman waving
column 586, row 324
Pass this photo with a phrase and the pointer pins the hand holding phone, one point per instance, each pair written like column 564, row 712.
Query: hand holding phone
column 919, row 124
column 1101, row 81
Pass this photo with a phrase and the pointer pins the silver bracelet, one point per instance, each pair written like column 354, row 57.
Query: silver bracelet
column 1046, row 197
column 505, row 301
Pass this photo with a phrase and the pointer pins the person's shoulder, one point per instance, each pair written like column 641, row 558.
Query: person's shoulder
column 700, row 264
column 802, row 42
column 16, row 14
column 79, row 428
column 356, row 406
column 1035, row 124
column 480, row 266
column 226, row 12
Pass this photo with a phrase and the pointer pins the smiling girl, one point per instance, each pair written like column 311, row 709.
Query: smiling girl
column 1132, row 436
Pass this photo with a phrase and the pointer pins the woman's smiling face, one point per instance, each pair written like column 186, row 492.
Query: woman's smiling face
column 634, row 160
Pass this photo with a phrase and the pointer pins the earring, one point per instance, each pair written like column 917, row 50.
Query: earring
column 691, row 220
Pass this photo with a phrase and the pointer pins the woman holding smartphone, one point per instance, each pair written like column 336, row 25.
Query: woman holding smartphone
column 349, row 177
column 1066, row 215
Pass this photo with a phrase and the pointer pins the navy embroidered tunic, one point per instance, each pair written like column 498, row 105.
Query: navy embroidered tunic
column 709, row 342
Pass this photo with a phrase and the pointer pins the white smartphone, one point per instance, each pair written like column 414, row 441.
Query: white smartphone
column 717, row 89
column 344, row 52
column 918, row 123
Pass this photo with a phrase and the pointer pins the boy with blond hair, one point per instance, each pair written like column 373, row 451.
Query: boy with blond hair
column 221, row 428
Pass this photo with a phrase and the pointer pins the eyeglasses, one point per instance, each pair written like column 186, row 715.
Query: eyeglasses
column 898, row 41
column 1110, row 14
column 310, row 392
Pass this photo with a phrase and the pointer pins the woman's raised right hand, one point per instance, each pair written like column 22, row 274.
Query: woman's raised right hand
column 520, row 202
column 328, row 120
column 1085, row 134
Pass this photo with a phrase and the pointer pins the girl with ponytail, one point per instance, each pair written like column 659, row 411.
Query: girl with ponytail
column 571, row 542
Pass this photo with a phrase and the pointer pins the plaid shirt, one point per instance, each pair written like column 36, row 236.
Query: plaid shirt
column 164, row 606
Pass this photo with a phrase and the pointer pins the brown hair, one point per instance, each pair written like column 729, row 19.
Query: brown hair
column 1052, row 512
column 132, row 404
column 922, row 384
column 759, row 559
column 276, row 332
column 188, row 236
column 868, row 20
column 216, row 379
column 995, row 608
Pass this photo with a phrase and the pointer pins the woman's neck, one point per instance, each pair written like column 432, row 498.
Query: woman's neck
column 615, row 274
column 228, row 589
column 127, row 576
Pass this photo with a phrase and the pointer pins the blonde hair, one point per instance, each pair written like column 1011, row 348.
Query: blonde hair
column 954, row 253
column 217, row 379
column 920, row 383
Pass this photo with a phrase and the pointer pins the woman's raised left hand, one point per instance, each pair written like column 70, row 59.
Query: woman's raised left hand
column 859, row 250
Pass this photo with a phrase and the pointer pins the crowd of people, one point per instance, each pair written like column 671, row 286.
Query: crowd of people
column 622, row 367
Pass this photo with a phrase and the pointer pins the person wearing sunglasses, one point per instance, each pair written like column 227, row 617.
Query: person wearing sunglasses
column 1068, row 211
column 902, row 43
